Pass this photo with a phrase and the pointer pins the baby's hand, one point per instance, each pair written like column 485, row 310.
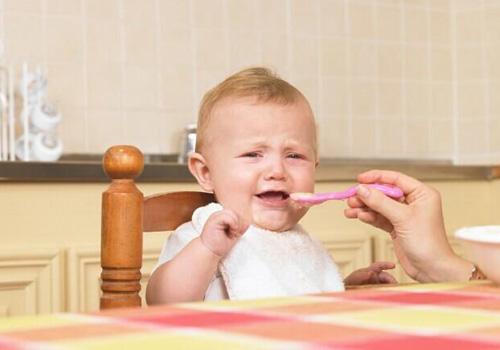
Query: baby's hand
column 221, row 232
column 373, row 274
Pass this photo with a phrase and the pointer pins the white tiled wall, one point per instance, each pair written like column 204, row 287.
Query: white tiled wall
column 386, row 78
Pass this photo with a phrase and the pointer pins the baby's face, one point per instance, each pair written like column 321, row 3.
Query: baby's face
column 259, row 153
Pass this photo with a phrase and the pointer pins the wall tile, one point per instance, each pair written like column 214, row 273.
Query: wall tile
column 473, row 137
column 103, row 41
column 390, row 138
column 332, row 17
column 64, row 7
column 174, row 13
column 468, row 30
column 211, row 49
column 441, row 140
column 368, row 67
column 389, row 23
column 27, row 6
column 209, row 14
column 471, row 102
column 109, row 9
column 440, row 28
column 361, row 19
column 335, row 97
column 140, row 87
column 334, row 137
column 468, row 61
column 390, row 99
column 104, row 86
column 363, row 98
column 140, row 42
column 141, row 129
column 304, row 17
column 19, row 27
column 441, row 63
column 66, row 84
column 363, row 59
column 244, row 49
column 416, row 25
column 390, row 61
column 416, row 63
column 72, row 130
column 417, row 139
column 333, row 59
column 441, row 101
column 304, row 56
column 364, row 142
column 273, row 16
column 105, row 128
column 64, row 39
column 417, row 99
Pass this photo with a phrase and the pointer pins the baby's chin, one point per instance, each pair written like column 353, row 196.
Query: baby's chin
column 273, row 222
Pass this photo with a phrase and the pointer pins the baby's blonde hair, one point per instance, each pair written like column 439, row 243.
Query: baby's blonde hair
column 259, row 82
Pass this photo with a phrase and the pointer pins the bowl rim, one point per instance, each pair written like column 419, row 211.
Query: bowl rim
column 479, row 234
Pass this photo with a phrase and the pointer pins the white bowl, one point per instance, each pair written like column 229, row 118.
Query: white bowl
column 482, row 246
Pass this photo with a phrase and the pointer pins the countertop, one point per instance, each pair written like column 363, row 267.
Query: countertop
column 164, row 168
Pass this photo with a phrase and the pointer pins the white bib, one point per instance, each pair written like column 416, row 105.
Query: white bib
column 267, row 264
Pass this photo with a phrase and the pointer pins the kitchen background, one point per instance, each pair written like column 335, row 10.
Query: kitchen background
column 412, row 79
column 386, row 78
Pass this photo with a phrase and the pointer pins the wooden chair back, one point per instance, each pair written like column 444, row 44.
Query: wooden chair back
column 125, row 215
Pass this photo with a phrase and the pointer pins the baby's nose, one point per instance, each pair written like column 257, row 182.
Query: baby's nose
column 276, row 171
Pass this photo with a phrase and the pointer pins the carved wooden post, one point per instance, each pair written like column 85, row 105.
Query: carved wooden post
column 121, row 229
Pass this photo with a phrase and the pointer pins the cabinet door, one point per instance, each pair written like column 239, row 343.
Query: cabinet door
column 30, row 281
column 350, row 253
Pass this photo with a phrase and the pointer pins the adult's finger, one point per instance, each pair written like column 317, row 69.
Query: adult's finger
column 377, row 201
column 405, row 182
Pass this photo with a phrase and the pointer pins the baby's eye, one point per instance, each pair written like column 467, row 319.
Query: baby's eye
column 295, row 156
column 251, row 154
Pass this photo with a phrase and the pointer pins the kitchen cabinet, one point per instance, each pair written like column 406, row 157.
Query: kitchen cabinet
column 49, row 257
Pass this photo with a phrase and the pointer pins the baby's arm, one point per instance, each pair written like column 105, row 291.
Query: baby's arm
column 186, row 277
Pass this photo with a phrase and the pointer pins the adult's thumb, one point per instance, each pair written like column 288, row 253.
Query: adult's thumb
column 379, row 202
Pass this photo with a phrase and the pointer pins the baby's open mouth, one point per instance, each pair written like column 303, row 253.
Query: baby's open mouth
column 273, row 195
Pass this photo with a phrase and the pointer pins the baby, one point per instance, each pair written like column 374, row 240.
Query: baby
column 256, row 144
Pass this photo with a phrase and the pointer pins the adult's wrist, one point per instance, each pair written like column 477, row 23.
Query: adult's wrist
column 450, row 268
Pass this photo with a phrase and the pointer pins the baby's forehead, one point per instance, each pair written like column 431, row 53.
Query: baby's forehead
column 233, row 105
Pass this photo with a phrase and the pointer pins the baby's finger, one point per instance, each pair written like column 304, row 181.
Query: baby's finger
column 235, row 227
column 385, row 277
column 379, row 266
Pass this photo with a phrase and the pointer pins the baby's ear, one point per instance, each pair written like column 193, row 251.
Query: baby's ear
column 198, row 167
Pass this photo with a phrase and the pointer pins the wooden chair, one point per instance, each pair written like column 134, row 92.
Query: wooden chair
column 126, row 214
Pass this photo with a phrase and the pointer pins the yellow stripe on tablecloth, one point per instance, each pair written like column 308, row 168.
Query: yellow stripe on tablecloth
column 174, row 340
column 420, row 319
column 435, row 286
column 40, row 321
column 253, row 304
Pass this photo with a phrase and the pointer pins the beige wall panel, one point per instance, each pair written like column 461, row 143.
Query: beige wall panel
column 31, row 281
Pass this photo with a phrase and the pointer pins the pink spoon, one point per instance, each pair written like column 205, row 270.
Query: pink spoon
column 317, row 198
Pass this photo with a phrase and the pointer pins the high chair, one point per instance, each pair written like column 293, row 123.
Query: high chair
column 126, row 214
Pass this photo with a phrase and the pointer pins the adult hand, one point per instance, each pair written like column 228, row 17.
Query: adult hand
column 415, row 224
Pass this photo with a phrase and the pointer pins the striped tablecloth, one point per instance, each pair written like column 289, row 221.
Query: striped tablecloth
column 424, row 316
